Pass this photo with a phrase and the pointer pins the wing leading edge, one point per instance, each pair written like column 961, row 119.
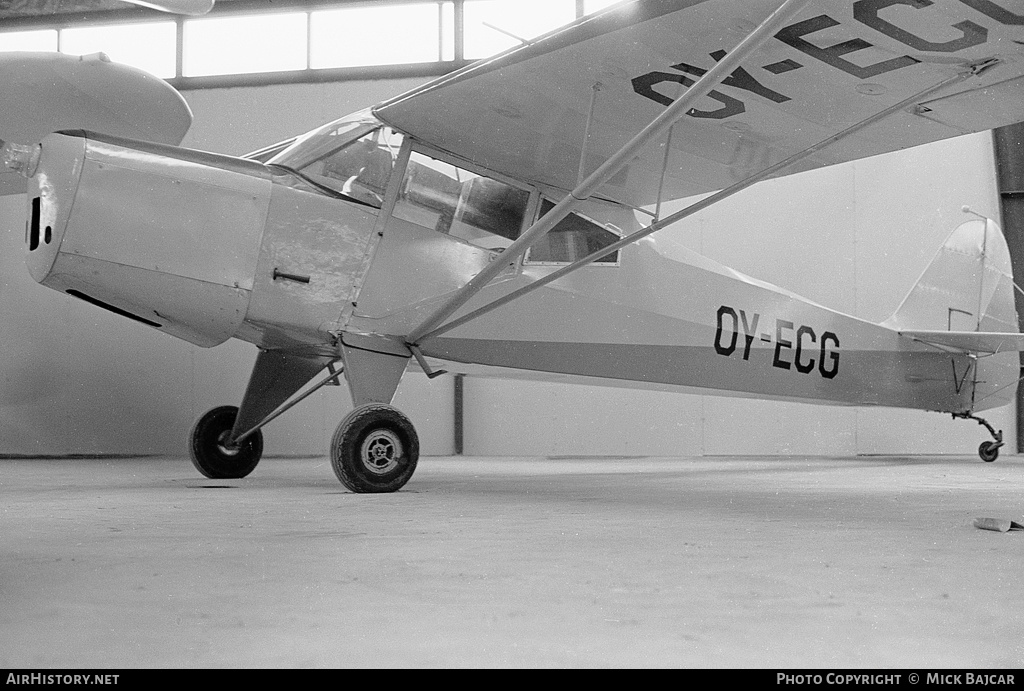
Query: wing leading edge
column 524, row 113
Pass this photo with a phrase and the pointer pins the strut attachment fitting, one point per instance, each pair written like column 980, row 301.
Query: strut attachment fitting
column 430, row 372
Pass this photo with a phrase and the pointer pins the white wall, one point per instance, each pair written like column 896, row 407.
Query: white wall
column 78, row 380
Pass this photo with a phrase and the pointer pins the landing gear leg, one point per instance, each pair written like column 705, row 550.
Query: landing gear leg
column 989, row 450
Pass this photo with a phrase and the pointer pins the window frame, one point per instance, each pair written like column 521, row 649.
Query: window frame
column 315, row 13
column 533, row 205
column 269, row 16
column 412, row 145
column 585, row 216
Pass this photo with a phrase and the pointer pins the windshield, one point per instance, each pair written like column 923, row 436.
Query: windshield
column 323, row 140
column 353, row 157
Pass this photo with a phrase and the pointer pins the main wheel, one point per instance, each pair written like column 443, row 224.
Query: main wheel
column 988, row 451
column 374, row 449
column 210, row 453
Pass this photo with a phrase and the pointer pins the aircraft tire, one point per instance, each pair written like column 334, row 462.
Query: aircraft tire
column 374, row 449
column 988, row 451
column 215, row 460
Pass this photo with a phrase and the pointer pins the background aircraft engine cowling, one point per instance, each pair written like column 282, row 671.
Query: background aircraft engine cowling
column 168, row 237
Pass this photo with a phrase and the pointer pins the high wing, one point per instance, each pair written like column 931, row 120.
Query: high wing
column 525, row 112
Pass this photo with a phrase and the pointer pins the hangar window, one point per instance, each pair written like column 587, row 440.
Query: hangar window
column 240, row 45
column 492, row 26
column 481, row 210
column 351, row 37
column 331, row 39
column 148, row 46
column 44, row 40
column 572, row 238
column 592, row 6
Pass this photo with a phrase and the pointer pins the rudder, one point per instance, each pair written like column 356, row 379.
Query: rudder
column 968, row 286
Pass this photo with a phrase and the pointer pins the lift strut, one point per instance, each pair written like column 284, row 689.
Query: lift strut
column 656, row 128
column 659, row 224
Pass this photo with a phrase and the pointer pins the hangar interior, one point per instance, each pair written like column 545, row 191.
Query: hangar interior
column 855, row 237
column 553, row 524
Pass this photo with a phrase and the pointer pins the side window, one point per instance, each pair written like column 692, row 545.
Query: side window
column 448, row 199
column 574, row 237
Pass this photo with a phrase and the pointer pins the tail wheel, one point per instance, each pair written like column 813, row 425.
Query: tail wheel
column 375, row 449
column 989, row 451
column 213, row 456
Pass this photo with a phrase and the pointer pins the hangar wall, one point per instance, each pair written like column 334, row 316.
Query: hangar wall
column 77, row 380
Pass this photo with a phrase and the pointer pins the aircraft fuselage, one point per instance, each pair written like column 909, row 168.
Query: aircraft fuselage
column 668, row 318
column 206, row 248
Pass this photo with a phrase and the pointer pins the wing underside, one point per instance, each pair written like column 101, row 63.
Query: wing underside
column 524, row 113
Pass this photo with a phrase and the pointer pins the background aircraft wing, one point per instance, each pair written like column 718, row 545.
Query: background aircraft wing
column 525, row 112
column 47, row 92
column 190, row 7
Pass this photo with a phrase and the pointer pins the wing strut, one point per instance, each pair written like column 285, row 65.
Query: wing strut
column 609, row 168
column 585, row 147
column 706, row 202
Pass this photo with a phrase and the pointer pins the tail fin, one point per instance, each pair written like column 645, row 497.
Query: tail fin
column 967, row 294
column 967, row 287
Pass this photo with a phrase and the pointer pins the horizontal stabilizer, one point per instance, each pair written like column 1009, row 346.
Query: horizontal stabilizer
column 976, row 342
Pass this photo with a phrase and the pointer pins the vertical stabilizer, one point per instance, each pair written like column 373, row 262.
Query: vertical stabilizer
column 968, row 286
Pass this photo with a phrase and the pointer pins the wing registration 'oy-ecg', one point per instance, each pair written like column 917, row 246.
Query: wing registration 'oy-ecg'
column 834, row 64
column 801, row 36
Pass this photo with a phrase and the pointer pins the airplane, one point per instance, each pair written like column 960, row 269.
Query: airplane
column 500, row 218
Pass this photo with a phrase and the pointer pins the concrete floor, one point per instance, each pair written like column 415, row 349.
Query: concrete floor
column 485, row 562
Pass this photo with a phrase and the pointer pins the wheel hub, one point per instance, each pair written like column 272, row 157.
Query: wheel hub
column 381, row 451
column 225, row 446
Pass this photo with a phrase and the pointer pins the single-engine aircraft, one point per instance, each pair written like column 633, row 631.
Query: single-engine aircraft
column 490, row 220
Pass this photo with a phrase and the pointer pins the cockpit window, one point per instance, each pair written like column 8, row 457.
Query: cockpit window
column 268, row 152
column 572, row 238
column 480, row 210
column 324, row 140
